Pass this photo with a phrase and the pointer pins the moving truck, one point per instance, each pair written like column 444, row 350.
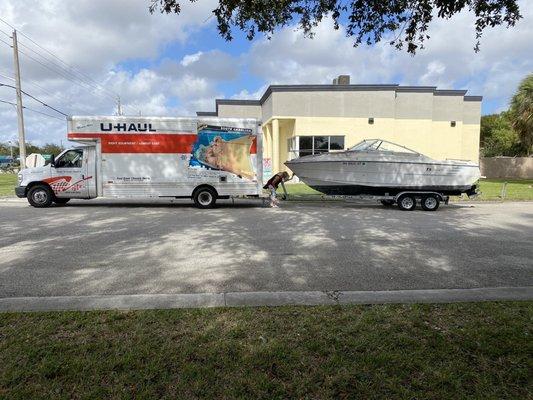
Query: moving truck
column 204, row 159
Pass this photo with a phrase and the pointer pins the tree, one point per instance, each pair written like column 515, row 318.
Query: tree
column 48, row 148
column 498, row 137
column 365, row 21
column 521, row 113
column 51, row 148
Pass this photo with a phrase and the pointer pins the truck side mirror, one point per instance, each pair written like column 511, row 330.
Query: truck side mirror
column 53, row 160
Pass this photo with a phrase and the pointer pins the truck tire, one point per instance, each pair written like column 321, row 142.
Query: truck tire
column 430, row 203
column 61, row 200
column 40, row 196
column 204, row 197
column 406, row 202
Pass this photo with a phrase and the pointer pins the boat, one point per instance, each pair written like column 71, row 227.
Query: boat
column 382, row 168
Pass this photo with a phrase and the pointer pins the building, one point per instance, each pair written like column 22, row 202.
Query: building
column 305, row 119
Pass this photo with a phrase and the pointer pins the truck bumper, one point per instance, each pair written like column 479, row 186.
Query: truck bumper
column 20, row 191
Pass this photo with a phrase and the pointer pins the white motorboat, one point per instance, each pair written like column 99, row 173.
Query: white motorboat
column 381, row 168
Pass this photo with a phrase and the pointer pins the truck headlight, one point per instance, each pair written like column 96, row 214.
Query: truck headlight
column 19, row 176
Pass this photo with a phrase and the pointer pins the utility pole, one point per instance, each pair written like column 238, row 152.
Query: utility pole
column 22, row 142
column 119, row 106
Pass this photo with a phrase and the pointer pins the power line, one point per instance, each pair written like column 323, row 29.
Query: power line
column 69, row 72
column 45, row 91
column 72, row 78
column 73, row 72
column 36, row 99
column 31, row 109
column 80, row 83
column 70, row 67
column 5, row 33
column 3, row 41
column 7, row 77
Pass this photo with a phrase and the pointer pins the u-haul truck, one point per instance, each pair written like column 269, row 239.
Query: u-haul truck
column 204, row 159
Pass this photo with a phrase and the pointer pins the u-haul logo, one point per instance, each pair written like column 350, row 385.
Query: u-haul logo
column 125, row 127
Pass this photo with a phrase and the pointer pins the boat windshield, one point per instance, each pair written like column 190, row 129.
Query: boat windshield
column 380, row 145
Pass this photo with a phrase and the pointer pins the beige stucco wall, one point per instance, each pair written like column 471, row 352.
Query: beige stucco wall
column 377, row 104
column 507, row 167
column 412, row 105
column 239, row 111
column 436, row 139
column 418, row 119
column 267, row 109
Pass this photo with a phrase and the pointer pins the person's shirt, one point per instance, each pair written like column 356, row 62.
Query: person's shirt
column 274, row 181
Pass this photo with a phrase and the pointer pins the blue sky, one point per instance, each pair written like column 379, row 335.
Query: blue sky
column 176, row 65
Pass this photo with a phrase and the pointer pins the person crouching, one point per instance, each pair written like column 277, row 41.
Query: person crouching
column 273, row 183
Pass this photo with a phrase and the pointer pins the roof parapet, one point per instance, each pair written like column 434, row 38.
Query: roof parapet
column 340, row 88
column 473, row 98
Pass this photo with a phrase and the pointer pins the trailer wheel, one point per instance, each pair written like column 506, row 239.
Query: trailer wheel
column 430, row 203
column 205, row 197
column 406, row 202
column 61, row 200
column 387, row 203
column 40, row 196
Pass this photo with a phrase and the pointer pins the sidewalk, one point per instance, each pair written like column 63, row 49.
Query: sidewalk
column 255, row 299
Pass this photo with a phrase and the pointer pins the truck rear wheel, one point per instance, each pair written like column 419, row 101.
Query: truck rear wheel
column 40, row 196
column 205, row 197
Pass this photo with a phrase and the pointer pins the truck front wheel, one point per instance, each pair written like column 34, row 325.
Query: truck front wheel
column 40, row 196
column 204, row 197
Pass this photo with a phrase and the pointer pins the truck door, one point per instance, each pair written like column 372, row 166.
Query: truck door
column 70, row 178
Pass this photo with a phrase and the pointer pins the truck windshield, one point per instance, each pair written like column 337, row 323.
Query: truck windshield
column 70, row 159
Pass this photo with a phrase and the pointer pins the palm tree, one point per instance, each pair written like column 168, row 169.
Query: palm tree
column 522, row 113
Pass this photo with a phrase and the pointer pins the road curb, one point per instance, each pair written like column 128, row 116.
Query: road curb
column 254, row 299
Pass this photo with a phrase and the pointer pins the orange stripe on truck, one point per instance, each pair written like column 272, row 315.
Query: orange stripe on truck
column 163, row 143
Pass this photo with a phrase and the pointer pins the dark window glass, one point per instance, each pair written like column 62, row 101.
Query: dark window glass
column 321, row 144
column 71, row 159
column 306, row 142
column 305, row 152
column 336, row 142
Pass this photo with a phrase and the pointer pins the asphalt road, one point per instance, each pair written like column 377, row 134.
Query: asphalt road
column 106, row 247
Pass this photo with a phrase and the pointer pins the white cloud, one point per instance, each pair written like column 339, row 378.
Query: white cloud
column 95, row 36
column 191, row 59
column 448, row 61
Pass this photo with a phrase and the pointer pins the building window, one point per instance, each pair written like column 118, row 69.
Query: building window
column 452, row 124
column 300, row 146
column 371, row 121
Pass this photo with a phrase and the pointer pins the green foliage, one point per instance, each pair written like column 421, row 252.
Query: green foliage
column 521, row 113
column 48, row 148
column 498, row 137
column 367, row 21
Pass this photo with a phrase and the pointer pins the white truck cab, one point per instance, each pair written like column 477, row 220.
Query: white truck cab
column 204, row 159
column 70, row 175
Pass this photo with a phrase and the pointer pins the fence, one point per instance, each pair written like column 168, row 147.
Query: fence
column 507, row 167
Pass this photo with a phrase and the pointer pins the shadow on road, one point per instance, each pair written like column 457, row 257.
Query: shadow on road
column 125, row 248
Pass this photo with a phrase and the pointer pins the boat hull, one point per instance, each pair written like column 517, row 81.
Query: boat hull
column 368, row 177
